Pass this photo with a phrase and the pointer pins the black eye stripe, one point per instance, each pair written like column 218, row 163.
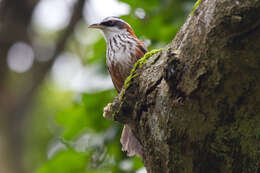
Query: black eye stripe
column 115, row 23
column 108, row 23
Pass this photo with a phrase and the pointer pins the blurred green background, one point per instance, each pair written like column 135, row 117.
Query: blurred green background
column 54, row 83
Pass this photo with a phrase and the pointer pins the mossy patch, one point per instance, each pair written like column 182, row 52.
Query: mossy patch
column 195, row 7
column 139, row 63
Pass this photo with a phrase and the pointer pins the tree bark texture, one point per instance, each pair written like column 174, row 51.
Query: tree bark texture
column 195, row 105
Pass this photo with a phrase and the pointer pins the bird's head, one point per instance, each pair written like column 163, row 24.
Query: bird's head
column 111, row 26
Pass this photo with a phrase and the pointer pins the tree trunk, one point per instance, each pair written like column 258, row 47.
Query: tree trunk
column 195, row 105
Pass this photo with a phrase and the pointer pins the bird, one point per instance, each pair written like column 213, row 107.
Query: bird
column 122, row 52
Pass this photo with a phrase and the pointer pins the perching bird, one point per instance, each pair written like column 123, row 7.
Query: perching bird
column 123, row 50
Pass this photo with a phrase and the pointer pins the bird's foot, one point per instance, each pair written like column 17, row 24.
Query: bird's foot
column 177, row 101
column 108, row 112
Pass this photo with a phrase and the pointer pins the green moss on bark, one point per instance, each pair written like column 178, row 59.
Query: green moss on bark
column 195, row 7
column 138, row 64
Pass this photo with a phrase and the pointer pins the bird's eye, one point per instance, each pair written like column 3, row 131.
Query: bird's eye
column 108, row 23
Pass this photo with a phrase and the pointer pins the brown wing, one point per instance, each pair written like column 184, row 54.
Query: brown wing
column 140, row 50
column 119, row 72
column 116, row 78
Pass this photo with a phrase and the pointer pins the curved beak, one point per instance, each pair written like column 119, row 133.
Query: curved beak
column 96, row 26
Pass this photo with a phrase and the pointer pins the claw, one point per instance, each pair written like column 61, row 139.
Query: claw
column 179, row 100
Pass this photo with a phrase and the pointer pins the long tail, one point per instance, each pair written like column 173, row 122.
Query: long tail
column 130, row 143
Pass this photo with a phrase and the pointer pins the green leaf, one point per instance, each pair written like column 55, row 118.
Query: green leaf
column 137, row 163
column 73, row 119
column 67, row 161
column 86, row 115
column 94, row 104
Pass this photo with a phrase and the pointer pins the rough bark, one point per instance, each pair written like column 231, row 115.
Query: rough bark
column 195, row 105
